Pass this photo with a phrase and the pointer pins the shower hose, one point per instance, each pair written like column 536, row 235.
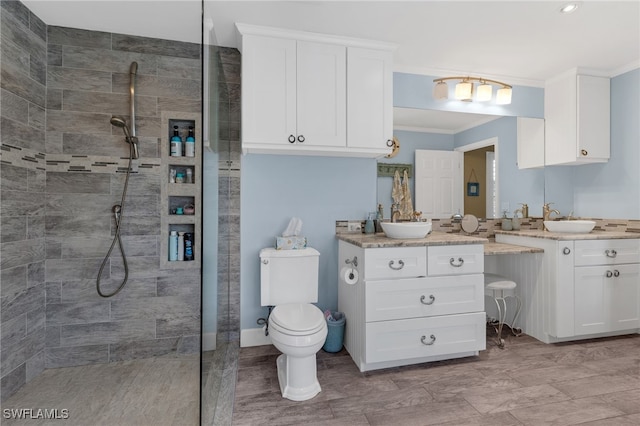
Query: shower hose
column 118, row 212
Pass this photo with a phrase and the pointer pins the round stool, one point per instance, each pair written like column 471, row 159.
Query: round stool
column 496, row 285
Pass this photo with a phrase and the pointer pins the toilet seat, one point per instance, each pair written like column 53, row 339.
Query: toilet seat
column 297, row 319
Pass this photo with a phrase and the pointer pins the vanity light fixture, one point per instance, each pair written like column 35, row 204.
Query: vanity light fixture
column 464, row 90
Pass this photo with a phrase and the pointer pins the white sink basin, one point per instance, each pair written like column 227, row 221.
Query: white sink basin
column 406, row 230
column 571, row 226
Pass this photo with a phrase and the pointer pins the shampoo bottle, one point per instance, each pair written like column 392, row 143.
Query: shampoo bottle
column 190, row 144
column 176, row 143
column 173, row 246
column 180, row 245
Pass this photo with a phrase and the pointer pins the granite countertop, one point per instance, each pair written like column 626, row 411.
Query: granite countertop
column 593, row 235
column 433, row 239
column 492, row 248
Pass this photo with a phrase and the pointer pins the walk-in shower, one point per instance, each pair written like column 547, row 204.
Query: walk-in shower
column 118, row 209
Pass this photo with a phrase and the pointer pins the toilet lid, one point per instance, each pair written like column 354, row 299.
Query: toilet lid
column 297, row 318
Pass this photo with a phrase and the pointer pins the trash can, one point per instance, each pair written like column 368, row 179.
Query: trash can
column 335, row 331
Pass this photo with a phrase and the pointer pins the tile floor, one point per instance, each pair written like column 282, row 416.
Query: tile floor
column 592, row 382
column 156, row 391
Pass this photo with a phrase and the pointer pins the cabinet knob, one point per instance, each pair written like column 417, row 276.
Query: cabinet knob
column 453, row 263
column 610, row 253
column 431, row 299
column 566, row 250
column 265, row 262
column 292, row 139
column 396, row 268
column 300, row 138
column 584, row 152
column 609, row 274
column 616, row 273
column 430, row 342
column 389, row 143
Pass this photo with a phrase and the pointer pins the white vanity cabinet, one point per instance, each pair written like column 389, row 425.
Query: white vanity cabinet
column 577, row 119
column 583, row 288
column 412, row 304
column 314, row 94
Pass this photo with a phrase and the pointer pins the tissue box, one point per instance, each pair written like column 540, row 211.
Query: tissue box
column 291, row 243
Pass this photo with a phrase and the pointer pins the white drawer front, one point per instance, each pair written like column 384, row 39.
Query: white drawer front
column 422, row 297
column 422, row 337
column 606, row 252
column 395, row 262
column 455, row 260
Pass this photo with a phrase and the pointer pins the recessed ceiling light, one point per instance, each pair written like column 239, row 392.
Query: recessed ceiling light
column 569, row 7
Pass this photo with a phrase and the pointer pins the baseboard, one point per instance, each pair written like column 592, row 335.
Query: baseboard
column 208, row 341
column 253, row 337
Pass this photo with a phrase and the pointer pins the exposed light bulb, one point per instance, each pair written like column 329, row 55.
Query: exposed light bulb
column 569, row 7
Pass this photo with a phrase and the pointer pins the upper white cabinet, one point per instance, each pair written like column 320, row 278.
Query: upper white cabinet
column 313, row 94
column 530, row 142
column 577, row 119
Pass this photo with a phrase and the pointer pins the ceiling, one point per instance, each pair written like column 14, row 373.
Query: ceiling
column 518, row 42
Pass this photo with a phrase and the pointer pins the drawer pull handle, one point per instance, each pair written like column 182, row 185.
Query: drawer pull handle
column 566, row 250
column 609, row 274
column 430, row 302
column 430, row 342
column 611, row 253
column 453, row 263
column 400, row 262
column 616, row 273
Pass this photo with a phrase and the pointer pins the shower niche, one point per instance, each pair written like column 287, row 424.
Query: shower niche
column 181, row 186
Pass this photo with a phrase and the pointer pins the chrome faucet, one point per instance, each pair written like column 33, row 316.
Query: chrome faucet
column 395, row 212
column 546, row 213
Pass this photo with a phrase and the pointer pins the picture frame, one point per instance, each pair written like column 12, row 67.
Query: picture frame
column 473, row 189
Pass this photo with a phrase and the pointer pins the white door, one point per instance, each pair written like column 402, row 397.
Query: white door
column 322, row 93
column 438, row 183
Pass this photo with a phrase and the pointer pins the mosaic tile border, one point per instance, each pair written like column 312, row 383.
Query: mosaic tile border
column 34, row 160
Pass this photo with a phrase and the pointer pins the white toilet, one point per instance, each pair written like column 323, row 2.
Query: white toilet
column 298, row 329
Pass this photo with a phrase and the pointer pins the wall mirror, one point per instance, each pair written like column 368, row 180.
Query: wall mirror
column 488, row 146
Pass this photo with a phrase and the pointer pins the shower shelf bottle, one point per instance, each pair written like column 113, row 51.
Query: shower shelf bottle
column 173, row 246
column 176, row 143
column 190, row 144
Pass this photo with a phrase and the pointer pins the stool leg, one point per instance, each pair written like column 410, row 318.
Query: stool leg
column 516, row 331
column 502, row 313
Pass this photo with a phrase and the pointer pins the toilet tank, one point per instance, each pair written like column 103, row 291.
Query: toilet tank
column 288, row 276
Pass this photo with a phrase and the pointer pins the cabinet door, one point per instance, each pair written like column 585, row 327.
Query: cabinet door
column 438, row 183
column 593, row 131
column 530, row 142
column 369, row 98
column 560, row 120
column 321, row 94
column 607, row 298
column 268, row 90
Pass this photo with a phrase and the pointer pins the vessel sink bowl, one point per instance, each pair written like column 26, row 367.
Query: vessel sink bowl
column 406, row 230
column 570, row 226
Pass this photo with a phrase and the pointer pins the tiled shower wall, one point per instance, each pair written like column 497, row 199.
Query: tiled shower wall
column 22, row 182
column 59, row 182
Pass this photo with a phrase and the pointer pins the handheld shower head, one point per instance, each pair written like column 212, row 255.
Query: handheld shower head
column 119, row 122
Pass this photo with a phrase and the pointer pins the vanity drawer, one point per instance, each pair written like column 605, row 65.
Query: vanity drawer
column 395, row 262
column 424, row 337
column 606, row 252
column 423, row 297
column 455, row 260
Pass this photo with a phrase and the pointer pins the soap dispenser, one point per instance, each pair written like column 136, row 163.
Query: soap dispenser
column 507, row 224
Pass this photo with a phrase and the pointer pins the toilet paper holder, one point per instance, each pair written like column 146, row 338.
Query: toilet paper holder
column 353, row 261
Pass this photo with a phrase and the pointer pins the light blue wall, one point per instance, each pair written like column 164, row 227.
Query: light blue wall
column 514, row 185
column 318, row 190
column 612, row 189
